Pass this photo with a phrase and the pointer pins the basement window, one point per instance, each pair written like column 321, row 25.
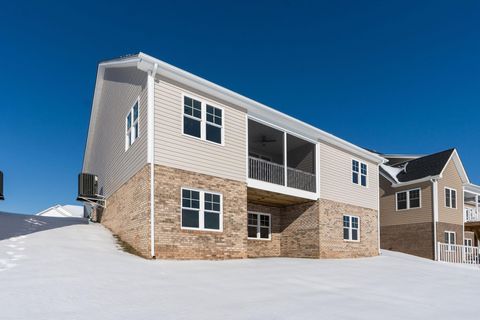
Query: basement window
column 409, row 199
column 132, row 128
column 450, row 238
column 451, row 198
column 259, row 226
column 351, row 228
column 201, row 210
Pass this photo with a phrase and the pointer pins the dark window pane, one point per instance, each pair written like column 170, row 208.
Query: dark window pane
column 346, row 221
column 447, row 238
column 364, row 168
column 195, row 195
column 136, row 130
column 186, row 203
column 447, row 197
column 355, row 165
column 208, row 197
column 354, row 222
column 355, row 178
column 191, row 127
column 364, row 180
column 189, row 218
column 454, row 199
column 216, row 207
column 185, row 193
column 252, row 232
column 129, row 120
column 264, row 221
column 196, row 204
column 414, row 203
column 135, row 112
column 252, row 219
column 402, row 204
column 264, row 233
column 187, row 101
column 345, row 234
column 214, row 133
column 208, row 205
column 354, row 234
column 216, row 198
column 197, row 105
column 212, row 220
column 197, row 113
column 210, row 109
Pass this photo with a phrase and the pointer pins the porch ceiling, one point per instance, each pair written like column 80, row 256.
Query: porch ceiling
column 268, row 198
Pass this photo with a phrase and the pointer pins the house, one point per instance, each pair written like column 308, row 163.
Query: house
column 63, row 211
column 424, row 200
column 229, row 176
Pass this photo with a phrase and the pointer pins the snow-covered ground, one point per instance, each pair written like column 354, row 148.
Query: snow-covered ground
column 53, row 268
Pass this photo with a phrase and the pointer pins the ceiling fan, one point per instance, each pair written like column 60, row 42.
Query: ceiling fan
column 264, row 140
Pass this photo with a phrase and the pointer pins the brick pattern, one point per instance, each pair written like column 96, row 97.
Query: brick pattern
column 457, row 228
column 332, row 244
column 470, row 235
column 127, row 213
column 172, row 242
column 266, row 248
column 415, row 239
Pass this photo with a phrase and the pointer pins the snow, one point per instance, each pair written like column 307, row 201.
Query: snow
column 63, row 268
column 63, row 211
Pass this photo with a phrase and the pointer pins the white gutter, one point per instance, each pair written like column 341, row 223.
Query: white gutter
column 407, row 183
column 378, row 213
column 435, row 216
column 151, row 152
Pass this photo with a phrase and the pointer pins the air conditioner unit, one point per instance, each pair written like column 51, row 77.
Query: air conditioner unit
column 1, row 186
column 87, row 186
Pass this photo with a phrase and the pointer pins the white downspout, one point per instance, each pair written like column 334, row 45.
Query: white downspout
column 435, row 216
column 151, row 152
column 378, row 212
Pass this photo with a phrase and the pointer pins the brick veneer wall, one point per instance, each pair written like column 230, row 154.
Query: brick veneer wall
column 332, row 244
column 415, row 238
column 172, row 242
column 266, row 248
column 457, row 228
column 127, row 213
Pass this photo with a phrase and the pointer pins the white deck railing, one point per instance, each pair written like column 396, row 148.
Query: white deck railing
column 271, row 172
column 471, row 215
column 267, row 171
column 454, row 253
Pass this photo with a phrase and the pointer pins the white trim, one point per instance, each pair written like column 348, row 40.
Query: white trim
column 360, row 162
column 203, row 119
column 258, row 214
column 451, row 202
column 350, row 228
column 285, row 159
column 378, row 212
column 257, row 184
column 131, row 132
column 435, row 216
column 151, row 152
column 201, row 210
column 407, row 183
column 279, row 128
column 318, row 167
column 408, row 199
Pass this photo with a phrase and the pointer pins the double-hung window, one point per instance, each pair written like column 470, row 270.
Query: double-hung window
column 201, row 210
column 359, row 173
column 351, row 228
column 259, row 226
column 409, row 199
column 450, row 240
column 132, row 127
column 202, row 120
column 450, row 198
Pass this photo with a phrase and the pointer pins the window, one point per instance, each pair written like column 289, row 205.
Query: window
column 468, row 242
column 450, row 240
column 202, row 120
column 201, row 210
column 409, row 199
column 359, row 173
column 132, row 129
column 450, row 198
column 259, row 226
column 351, row 228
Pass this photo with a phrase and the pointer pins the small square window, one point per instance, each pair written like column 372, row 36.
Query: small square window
column 259, row 226
column 351, row 228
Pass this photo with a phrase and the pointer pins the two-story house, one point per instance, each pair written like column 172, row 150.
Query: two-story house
column 422, row 200
column 191, row 170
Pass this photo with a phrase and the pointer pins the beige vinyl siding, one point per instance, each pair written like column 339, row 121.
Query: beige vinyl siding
column 450, row 179
column 106, row 156
column 174, row 149
column 389, row 216
column 336, row 178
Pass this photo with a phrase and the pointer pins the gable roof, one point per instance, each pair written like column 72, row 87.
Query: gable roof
column 423, row 168
column 150, row 64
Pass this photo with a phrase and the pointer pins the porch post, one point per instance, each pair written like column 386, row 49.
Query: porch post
column 476, row 202
column 285, row 172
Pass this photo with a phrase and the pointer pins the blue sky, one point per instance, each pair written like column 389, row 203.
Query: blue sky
column 395, row 76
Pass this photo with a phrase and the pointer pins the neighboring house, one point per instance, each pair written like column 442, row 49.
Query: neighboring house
column 63, row 211
column 230, row 177
column 422, row 200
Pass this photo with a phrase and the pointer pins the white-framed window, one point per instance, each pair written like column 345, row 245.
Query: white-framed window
column 351, row 228
column 359, row 172
column 468, row 242
column 450, row 238
column 202, row 120
column 201, row 210
column 409, row 199
column 451, row 198
column 259, row 226
column 132, row 126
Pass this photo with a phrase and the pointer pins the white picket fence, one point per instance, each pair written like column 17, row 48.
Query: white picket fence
column 454, row 253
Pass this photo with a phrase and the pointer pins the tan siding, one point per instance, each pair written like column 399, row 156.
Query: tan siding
column 173, row 149
column 450, row 179
column 107, row 157
column 336, row 179
column 389, row 215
